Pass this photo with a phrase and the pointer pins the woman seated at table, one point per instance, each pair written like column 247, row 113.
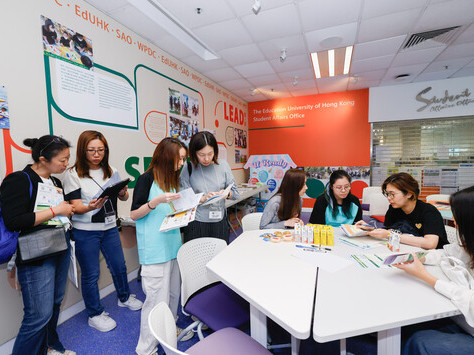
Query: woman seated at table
column 284, row 208
column 421, row 224
column 337, row 205
column 457, row 262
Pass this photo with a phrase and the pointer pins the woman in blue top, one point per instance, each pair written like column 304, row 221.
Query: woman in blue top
column 337, row 205
column 157, row 250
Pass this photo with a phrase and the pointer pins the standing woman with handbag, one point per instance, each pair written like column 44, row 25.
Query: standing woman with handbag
column 42, row 280
column 209, row 175
column 157, row 250
column 94, row 226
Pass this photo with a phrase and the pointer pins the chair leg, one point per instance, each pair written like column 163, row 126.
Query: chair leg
column 188, row 328
column 199, row 331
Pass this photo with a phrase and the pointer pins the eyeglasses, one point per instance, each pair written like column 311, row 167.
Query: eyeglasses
column 54, row 140
column 391, row 194
column 99, row 151
column 343, row 188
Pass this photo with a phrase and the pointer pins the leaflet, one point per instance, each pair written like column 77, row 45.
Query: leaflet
column 178, row 220
column 50, row 196
column 403, row 258
column 219, row 197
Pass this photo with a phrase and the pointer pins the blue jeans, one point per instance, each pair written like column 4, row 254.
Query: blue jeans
column 450, row 339
column 88, row 246
column 42, row 288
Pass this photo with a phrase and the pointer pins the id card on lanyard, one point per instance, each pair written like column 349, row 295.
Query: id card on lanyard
column 109, row 212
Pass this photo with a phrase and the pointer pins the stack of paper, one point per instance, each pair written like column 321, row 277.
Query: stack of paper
column 352, row 231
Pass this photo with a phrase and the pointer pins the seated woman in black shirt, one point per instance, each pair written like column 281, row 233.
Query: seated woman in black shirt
column 337, row 205
column 421, row 224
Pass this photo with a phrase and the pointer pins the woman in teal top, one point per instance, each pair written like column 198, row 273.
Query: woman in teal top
column 337, row 205
column 157, row 250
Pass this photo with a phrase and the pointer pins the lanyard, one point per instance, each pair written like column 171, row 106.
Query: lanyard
column 203, row 178
column 105, row 204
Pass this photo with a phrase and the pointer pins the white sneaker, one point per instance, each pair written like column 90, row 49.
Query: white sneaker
column 55, row 352
column 132, row 303
column 188, row 336
column 102, row 322
column 204, row 325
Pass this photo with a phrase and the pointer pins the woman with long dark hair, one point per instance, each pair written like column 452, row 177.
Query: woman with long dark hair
column 157, row 250
column 337, row 205
column 284, row 208
column 95, row 228
column 43, row 282
column 457, row 262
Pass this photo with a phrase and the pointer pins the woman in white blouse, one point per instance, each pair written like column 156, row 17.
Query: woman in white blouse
column 457, row 263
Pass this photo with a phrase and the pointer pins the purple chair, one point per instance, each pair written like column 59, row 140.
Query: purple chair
column 227, row 341
column 202, row 295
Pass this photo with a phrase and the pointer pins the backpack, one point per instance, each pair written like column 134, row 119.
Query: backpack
column 9, row 239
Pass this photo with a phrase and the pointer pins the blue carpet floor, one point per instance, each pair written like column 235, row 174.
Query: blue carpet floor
column 76, row 334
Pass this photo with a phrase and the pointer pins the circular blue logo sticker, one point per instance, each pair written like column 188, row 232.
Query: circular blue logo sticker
column 262, row 175
column 272, row 183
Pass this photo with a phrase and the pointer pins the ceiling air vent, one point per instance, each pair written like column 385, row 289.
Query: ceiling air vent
column 443, row 35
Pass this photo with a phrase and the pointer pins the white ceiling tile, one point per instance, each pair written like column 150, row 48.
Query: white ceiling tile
column 171, row 45
column 371, row 64
column 438, row 75
column 326, row 85
column 305, row 92
column 224, row 74
column 457, row 51
column 202, row 65
column 277, row 94
column 391, row 25
column 303, row 74
column 242, row 8
column 301, row 84
column 373, row 8
column 291, row 63
column 315, row 17
column 372, row 75
column 234, row 56
column 269, row 24
column 235, row 84
column 362, row 84
column 412, row 70
column 254, row 69
column 466, row 71
column 212, row 11
column 107, row 6
column 258, row 81
column 446, row 14
column 224, row 35
column 451, row 65
column 378, row 48
column 417, row 57
column 346, row 33
column 466, row 36
column 294, row 45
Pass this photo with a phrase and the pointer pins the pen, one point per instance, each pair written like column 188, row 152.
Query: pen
column 314, row 250
column 316, row 247
column 358, row 260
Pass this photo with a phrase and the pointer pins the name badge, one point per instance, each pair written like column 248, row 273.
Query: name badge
column 215, row 212
column 109, row 217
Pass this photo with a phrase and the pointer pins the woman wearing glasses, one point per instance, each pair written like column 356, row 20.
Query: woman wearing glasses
column 284, row 208
column 337, row 206
column 43, row 282
column 421, row 224
column 157, row 251
column 210, row 175
column 95, row 229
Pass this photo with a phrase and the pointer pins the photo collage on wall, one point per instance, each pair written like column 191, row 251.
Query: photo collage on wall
column 184, row 114
column 240, row 137
column 63, row 43
column 4, row 115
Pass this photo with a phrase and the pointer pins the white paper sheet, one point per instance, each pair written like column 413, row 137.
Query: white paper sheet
column 325, row 261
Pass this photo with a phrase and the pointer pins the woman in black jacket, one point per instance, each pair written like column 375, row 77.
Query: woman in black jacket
column 43, row 282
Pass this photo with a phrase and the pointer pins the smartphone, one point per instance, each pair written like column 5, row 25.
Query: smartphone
column 366, row 227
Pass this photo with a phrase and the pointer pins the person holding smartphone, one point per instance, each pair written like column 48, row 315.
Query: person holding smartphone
column 337, row 206
column 457, row 262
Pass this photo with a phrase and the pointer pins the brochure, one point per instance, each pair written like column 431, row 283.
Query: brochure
column 219, row 197
column 187, row 201
column 178, row 220
column 402, row 258
column 352, row 231
column 50, row 196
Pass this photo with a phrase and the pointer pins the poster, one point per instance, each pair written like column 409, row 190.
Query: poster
column 4, row 115
column 183, row 128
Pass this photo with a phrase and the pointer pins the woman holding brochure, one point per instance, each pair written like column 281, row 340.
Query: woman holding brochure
column 457, row 263
column 157, row 250
column 211, row 176
column 95, row 229
column 337, row 206
column 284, row 208
column 43, row 282
column 421, row 224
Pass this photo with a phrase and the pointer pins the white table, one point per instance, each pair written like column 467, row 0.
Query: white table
column 357, row 301
column 245, row 193
column 276, row 284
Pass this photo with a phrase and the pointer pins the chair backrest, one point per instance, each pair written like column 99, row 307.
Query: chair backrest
column 378, row 204
column 439, row 197
column 192, row 259
column 452, row 235
column 367, row 191
column 163, row 327
column 251, row 221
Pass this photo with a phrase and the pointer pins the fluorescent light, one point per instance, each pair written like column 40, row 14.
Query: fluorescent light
column 162, row 17
column 331, row 62
column 314, row 58
column 347, row 60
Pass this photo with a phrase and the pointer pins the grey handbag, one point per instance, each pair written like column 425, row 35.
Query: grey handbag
column 42, row 243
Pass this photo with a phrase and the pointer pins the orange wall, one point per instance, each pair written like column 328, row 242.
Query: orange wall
column 321, row 135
